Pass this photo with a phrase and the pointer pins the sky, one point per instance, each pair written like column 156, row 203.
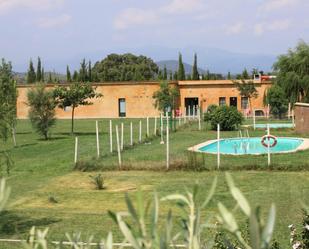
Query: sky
column 65, row 31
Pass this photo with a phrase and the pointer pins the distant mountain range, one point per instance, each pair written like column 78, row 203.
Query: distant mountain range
column 172, row 66
column 213, row 59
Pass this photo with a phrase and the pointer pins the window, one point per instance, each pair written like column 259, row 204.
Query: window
column 244, row 103
column 122, row 107
column 222, row 101
column 233, row 101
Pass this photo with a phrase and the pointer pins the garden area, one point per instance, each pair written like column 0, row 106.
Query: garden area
column 49, row 191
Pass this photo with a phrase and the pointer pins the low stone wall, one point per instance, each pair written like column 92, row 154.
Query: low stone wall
column 301, row 117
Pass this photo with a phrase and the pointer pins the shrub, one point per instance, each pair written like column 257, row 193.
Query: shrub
column 98, row 181
column 208, row 113
column 228, row 117
column 42, row 109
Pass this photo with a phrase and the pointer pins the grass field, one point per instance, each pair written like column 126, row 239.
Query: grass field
column 44, row 169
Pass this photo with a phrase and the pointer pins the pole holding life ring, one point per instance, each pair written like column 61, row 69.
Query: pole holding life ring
column 269, row 137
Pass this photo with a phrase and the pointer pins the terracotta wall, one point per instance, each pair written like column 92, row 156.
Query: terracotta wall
column 209, row 94
column 301, row 112
column 139, row 101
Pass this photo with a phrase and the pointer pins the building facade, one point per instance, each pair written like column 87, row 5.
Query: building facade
column 135, row 99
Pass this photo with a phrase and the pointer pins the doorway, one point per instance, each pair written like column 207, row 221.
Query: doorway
column 191, row 104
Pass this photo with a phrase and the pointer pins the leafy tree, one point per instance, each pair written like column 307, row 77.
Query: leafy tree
column 293, row 74
column 125, row 67
column 31, row 76
column 69, row 78
column 228, row 117
column 247, row 89
column 195, row 74
column 42, row 109
column 8, row 99
column 39, row 70
column 245, row 74
column 277, row 100
column 181, row 69
column 166, row 97
column 75, row 95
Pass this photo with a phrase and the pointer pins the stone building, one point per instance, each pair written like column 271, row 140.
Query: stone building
column 134, row 99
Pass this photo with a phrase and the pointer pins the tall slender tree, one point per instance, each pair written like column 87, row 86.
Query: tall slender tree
column 229, row 77
column 181, row 75
column 69, row 78
column 31, row 76
column 83, row 77
column 50, row 79
column 43, row 75
column 195, row 74
column 164, row 73
column 39, row 70
column 90, row 79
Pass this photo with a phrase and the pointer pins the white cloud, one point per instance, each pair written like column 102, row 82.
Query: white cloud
column 135, row 16
column 273, row 5
column 182, row 6
column 9, row 5
column 276, row 25
column 235, row 29
column 54, row 21
column 132, row 17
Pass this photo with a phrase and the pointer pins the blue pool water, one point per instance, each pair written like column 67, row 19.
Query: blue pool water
column 274, row 125
column 243, row 146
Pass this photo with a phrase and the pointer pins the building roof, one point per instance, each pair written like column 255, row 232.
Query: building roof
column 214, row 82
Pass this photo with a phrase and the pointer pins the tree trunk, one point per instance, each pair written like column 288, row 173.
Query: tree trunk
column 72, row 121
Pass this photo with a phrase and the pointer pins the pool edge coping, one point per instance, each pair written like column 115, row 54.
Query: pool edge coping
column 303, row 146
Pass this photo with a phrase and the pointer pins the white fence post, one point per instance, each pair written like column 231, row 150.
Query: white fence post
column 118, row 146
column 289, row 111
column 131, row 134
column 293, row 118
column 111, row 136
column 122, row 138
column 14, row 136
column 147, row 126
column 140, row 131
column 161, row 129
column 76, row 150
column 268, row 145
column 185, row 115
column 218, row 146
column 199, row 119
column 155, row 126
column 167, row 144
column 97, row 137
column 254, row 119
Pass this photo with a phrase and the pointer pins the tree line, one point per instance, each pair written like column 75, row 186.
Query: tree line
column 126, row 67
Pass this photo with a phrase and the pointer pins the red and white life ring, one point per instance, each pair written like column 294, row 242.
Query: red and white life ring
column 268, row 137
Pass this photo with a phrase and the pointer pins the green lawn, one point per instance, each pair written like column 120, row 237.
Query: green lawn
column 44, row 168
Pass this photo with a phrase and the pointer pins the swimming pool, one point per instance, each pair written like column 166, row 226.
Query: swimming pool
column 253, row 146
column 275, row 125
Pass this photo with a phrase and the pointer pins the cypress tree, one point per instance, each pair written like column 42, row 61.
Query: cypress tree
column 229, row 75
column 195, row 75
column 160, row 77
column 31, row 76
column 175, row 76
column 50, row 80
column 89, row 72
column 181, row 70
column 43, row 75
column 165, row 73
column 39, row 70
column 245, row 74
column 171, row 75
column 69, row 78
column 75, row 76
column 83, row 71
